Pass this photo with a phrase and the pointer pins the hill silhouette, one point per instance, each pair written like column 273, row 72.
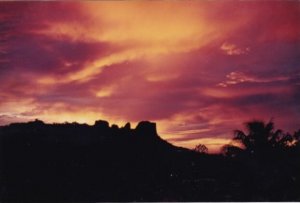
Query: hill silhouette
column 79, row 162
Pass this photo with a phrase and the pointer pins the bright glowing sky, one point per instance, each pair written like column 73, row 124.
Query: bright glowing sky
column 200, row 69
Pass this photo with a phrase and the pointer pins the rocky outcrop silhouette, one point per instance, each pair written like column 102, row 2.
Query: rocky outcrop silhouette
column 101, row 124
column 146, row 128
column 127, row 127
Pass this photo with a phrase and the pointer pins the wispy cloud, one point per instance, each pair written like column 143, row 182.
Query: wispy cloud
column 234, row 78
column 232, row 49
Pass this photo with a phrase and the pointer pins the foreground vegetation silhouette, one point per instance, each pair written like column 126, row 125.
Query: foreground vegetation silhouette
column 78, row 162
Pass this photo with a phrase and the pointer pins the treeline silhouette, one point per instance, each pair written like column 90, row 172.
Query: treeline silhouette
column 79, row 162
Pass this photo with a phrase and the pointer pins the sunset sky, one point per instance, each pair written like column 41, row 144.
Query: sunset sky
column 200, row 69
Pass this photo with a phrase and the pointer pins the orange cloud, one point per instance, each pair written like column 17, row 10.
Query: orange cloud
column 142, row 34
column 199, row 69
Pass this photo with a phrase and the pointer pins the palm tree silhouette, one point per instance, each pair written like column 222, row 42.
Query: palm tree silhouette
column 261, row 139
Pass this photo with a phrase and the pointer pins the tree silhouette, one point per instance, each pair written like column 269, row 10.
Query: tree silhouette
column 260, row 139
column 201, row 148
column 295, row 143
column 297, row 137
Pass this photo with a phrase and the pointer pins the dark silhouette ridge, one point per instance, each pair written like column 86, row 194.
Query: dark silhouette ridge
column 79, row 162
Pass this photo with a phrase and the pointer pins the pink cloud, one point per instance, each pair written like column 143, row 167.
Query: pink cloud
column 200, row 76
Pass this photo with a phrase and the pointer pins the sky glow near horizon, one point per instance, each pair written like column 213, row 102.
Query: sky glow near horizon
column 200, row 69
